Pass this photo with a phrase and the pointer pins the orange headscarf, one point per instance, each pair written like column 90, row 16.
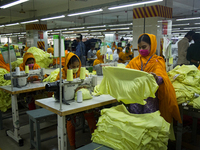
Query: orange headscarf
column 64, row 70
column 50, row 50
column 108, row 46
column 62, row 59
column 121, row 55
column 126, row 55
column 199, row 67
column 166, row 94
column 3, row 64
column 120, row 48
column 26, row 48
column 99, row 59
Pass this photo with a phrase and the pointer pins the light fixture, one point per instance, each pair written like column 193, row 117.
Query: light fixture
column 190, row 28
column 23, row 32
column 180, row 30
column 16, row 33
column 176, row 28
column 51, row 18
column 49, row 30
column 96, row 27
column 30, row 21
column 12, row 24
column 77, row 28
column 134, row 4
column 8, row 34
column 82, row 31
column 120, row 28
column 60, row 29
column 55, row 33
column 13, row 4
column 2, row 26
column 69, row 32
column 194, row 23
column 188, row 19
column 184, row 24
column 98, row 30
column 86, row 12
column 116, row 25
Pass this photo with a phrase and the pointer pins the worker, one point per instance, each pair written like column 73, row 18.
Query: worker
column 73, row 62
column 91, row 55
column 121, row 55
column 29, row 60
column 148, row 61
column 57, row 60
column 80, row 49
column 99, row 59
column 182, row 48
column 108, row 46
column 3, row 64
column 128, row 54
column 114, row 47
column 50, row 50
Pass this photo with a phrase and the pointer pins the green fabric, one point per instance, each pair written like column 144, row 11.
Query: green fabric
column 52, row 76
column 121, row 130
column 85, row 94
column 186, row 82
column 193, row 52
column 5, row 98
column 41, row 57
column 128, row 85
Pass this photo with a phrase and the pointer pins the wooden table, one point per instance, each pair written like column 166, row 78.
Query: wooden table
column 15, row 134
column 52, row 105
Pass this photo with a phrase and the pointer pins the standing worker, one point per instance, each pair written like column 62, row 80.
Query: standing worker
column 193, row 52
column 80, row 50
column 182, row 48
column 148, row 61
column 91, row 55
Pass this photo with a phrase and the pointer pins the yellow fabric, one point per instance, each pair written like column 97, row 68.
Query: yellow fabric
column 126, row 131
column 128, row 85
column 52, row 76
column 195, row 103
column 121, row 65
column 5, row 98
column 85, row 94
column 17, row 63
column 96, row 91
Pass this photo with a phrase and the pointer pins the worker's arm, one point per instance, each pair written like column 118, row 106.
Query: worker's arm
column 189, row 54
column 78, row 51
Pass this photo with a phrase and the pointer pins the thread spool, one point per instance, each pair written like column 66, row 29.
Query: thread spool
column 94, row 80
column 17, row 71
column 82, row 73
column 106, row 56
column 79, row 97
column 26, row 69
column 111, row 56
column 69, row 75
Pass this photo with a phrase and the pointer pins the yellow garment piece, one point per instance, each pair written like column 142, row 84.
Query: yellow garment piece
column 52, row 76
column 195, row 103
column 41, row 57
column 88, row 73
column 85, row 94
column 17, row 53
column 128, row 85
column 126, row 131
column 121, row 65
column 5, row 98
column 16, row 63
column 96, row 91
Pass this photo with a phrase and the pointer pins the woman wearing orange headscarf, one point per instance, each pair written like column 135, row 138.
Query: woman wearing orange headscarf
column 121, row 55
column 114, row 47
column 50, row 50
column 99, row 59
column 128, row 54
column 148, row 61
column 58, row 60
column 73, row 62
column 3, row 64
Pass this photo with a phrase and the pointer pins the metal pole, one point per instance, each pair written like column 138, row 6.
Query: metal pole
column 60, row 70
column 9, row 57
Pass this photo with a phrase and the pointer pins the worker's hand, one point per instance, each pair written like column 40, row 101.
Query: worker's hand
column 154, row 75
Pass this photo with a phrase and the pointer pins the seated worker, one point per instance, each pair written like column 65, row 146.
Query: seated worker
column 29, row 60
column 114, row 47
column 73, row 62
column 128, row 54
column 91, row 54
column 99, row 59
column 148, row 61
column 57, row 60
column 50, row 50
column 3, row 64
column 121, row 55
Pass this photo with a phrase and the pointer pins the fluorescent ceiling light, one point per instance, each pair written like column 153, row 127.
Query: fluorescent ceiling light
column 55, row 33
column 23, row 32
column 69, row 32
column 20, row 35
column 16, row 33
column 86, row 12
column 184, row 24
column 188, row 19
column 99, row 30
column 82, row 31
column 2, row 26
column 13, row 4
column 49, row 30
column 180, row 30
column 51, row 18
column 60, row 29
column 194, row 23
column 12, row 24
column 192, row 28
column 120, row 28
column 8, row 34
column 135, row 4
column 77, row 28
column 116, row 25
column 96, row 27
column 176, row 28
column 30, row 21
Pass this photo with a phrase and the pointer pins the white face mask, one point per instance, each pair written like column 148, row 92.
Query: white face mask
column 75, row 70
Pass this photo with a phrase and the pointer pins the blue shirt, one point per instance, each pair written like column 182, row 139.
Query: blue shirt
column 80, row 49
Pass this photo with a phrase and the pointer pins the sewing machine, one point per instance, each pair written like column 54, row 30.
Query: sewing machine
column 98, row 67
column 21, row 80
column 69, row 87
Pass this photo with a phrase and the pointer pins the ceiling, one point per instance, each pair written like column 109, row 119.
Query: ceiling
column 37, row 9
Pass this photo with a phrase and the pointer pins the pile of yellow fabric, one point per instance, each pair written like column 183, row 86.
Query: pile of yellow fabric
column 126, row 131
column 5, row 98
column 186, row 82
column 195, row 103
column 41, row 57
column 17, row 63
column 128, row 85
column 52, row 76
column 85, row 94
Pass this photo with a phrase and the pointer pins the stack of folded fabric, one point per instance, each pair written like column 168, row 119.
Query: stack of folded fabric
column 186, row 82
column 121, row 130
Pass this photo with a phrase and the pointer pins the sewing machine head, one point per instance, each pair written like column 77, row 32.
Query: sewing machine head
column 98, row 67
column 69, row 88
column 20, row 80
